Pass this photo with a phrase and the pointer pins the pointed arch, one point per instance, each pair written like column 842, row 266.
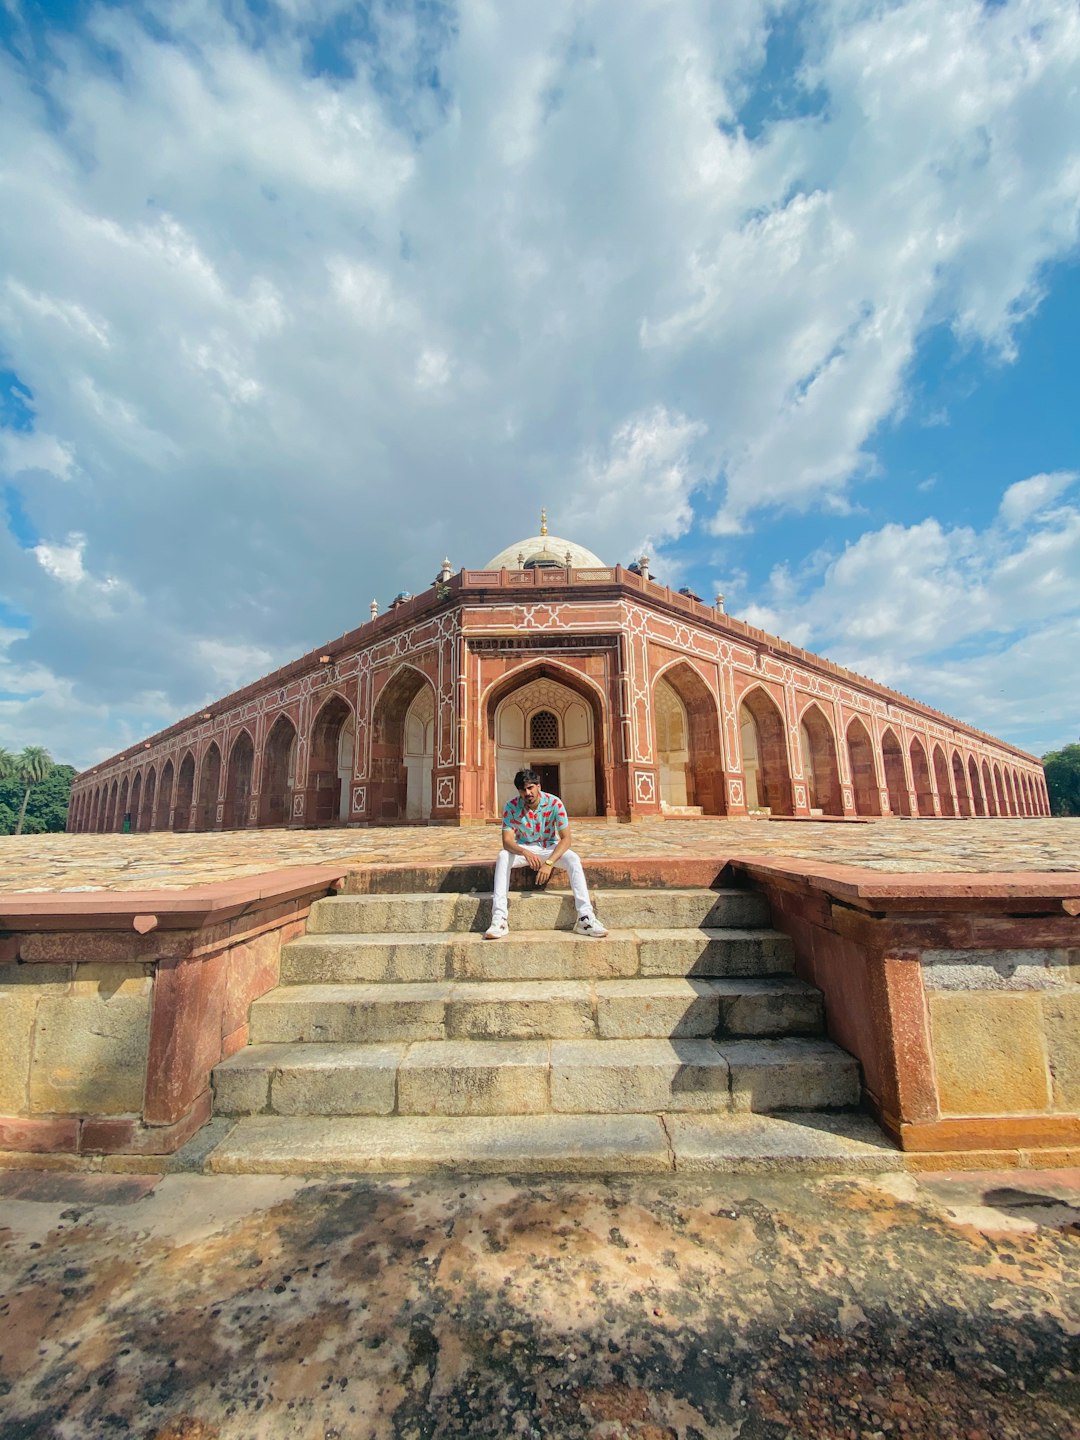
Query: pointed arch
column 820, row 763
column 122, row 813
column 110, row 809
column 278, row 773
column 689, row 751
column 332, row 732
column 975, row 787
column 990, row 799
column 164, row 801
column 209, row 787
column 864, row 779
column 942, row 775
column 765, row 757
column 135, row 800
column 95, row 808
column 185, row 793
column 238, row 781
column 963, row 798
column 999, row 791
column 895, row 775
column 146, row 812
column 920, row 777
column 580, row 704
column 1010, row 791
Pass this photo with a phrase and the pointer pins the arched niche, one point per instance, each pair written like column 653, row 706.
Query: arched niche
column 333, row 737
column 988, row 789
column 122, row 812
column 110, row 809
column 688, row 752
column 209, row 785
column 975, row 787
column 278, row 773
column 164, row 800
column 920, row 776
column 238, row 782
column 146, row 814
column 895, row 778
column 569, row 729
column 820, row 763
column 765, row 758
column 864, row 782
column 944, row 784
column 185, row 792
column 402, row 747
column 963, row 796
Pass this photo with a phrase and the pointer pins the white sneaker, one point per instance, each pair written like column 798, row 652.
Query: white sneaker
column 589, row 925
column 497, row 930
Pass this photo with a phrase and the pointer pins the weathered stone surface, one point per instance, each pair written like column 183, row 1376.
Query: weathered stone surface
column 409, row 1144
column 996, row 969
column 531, row 1009
column 770, row 1006
column 109, row 980
column 242, row 1083
column 336, row 1080
column 809, row 1143
column 664, row 1006
column 715, row 952
column 475, row 1077
column 354, row 1014
column 543, row 955
column 637, row 1076
column 1061, row 1016
column 89, row 1055
column 791, row 1074
column 989, row 1053
column 402, row 958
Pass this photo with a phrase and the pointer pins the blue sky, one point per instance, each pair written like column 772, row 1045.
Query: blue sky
column 297, row 297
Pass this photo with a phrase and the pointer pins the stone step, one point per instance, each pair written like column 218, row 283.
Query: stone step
column 536, row 909
column 405, row 957
column 366, row 1013
column 524, row 1077
column 553, row 1144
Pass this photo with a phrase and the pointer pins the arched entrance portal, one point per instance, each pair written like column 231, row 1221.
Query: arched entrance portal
column 920, row 774
column 279, row 773
column 185, row 789
column 328, row 776
column 238, row 782
column 548, row 725
column 209, row 785
column 895, row 778
column 687, row 742
column 402, row 747
column 765, row 760
column 863, row 774
column 819, row 763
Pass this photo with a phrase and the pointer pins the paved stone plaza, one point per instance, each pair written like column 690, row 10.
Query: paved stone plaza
column 221, row 1308
column 171, row 861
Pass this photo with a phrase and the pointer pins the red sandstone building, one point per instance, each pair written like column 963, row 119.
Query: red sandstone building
column 632, row 701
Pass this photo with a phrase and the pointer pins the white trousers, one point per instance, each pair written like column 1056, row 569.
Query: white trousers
column 568, row 861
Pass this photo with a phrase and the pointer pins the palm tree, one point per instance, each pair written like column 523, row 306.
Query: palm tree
column 7, row 764
column 31, row 765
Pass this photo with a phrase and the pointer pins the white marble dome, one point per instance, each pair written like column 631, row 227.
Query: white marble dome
column 545, row 549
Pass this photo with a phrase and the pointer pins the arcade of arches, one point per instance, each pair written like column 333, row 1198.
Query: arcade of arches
column 630, row 701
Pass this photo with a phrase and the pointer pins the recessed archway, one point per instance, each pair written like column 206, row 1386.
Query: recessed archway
column 209, row 786
column 988, row 789
column 164, row 801
column 944, row 784
column 547, row 723
column 920, row 777
column 123, row 815
column 765, row 759
column 146, row 814
column 895, row 778
column 864, row 781
column 688, row 751
column 963, row 799
column 820, row 764
column 279, row 773
column 391, row 794
column 328, row 787
column 977, row 800
column 238, row 782
column 185, row 793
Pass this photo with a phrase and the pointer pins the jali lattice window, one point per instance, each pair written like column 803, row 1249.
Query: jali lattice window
column 544, row 731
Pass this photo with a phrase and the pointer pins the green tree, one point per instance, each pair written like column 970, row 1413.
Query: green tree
column 29, row 768
column 47, row 806
column 1062, row 769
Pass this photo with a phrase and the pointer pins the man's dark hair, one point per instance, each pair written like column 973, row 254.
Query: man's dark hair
column 525, row 777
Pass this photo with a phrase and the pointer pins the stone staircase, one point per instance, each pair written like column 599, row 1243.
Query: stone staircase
column 400, row 1041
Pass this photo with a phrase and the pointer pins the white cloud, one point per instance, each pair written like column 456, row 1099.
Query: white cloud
column 978, row 623
column 293, row 336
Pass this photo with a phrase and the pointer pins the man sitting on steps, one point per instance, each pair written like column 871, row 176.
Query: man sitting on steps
column 536, row 833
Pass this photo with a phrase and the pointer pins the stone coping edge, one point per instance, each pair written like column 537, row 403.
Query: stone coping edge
column 146, row 910
column 1002, row 891
column 1047, row 892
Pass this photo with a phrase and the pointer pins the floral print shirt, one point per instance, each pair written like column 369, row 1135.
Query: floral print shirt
column 542, row 826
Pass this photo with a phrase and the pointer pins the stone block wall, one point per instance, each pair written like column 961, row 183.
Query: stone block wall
column 959, row 995
column 113, row 1015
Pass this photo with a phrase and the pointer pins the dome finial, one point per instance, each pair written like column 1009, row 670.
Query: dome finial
column 543, row 520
